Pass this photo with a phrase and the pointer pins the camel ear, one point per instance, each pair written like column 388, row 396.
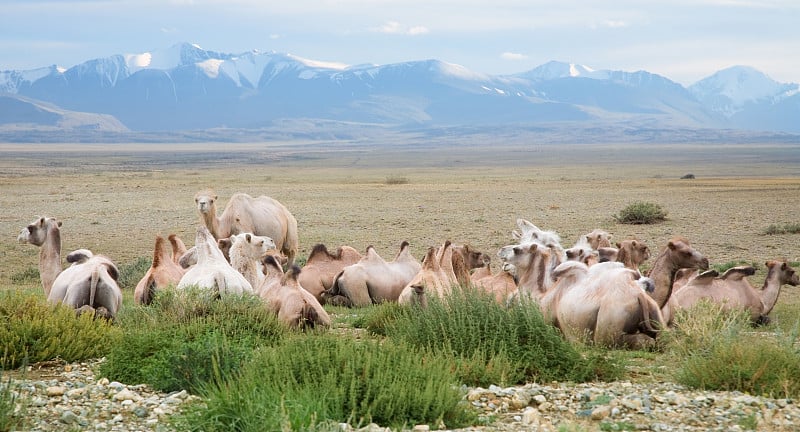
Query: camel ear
column 248, row 237
column 783, row 266
column 41, row 221
column 619, row 246
column 224, row 243
column 671, row 245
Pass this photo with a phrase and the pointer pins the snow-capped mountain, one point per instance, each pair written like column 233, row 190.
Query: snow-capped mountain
column 186, row 87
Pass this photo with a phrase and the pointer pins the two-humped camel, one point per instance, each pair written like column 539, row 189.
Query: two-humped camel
column 373, row 279
column 436, row 277
column 45, row 232
column 246, row 252
column 322, row 266
column 287, row 299
column 501, row 285
column 212, row 271
column 262, row 216
column 733, row 291
column 678, row 254
column 164, row 271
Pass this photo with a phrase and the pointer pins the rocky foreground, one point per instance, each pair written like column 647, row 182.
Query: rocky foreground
column 70, row 397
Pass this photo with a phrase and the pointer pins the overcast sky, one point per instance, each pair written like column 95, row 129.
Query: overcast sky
column 684, row 40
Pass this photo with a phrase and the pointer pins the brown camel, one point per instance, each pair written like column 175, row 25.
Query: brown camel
column 632, row 253
column 372, row 279
column 164, row 271
column 88, row 285
column 178, row 248
column 501, row 285
column 322, row 266
column 436, row 277
column 284, row 296
column 45, row 233
column 676, row 255
column 262, row 216
column 596, row 239
column 733, row 291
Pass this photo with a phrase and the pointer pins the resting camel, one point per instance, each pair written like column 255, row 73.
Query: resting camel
column 164, row 271
column 285, row 297
column 88, row 285
column 263, row 216
column 596, row 239
column 372, row 279
column 733, row 291
column 436, row 277
column 45, row 233
column 212, row 271
column 676, row 255
column 501, row 285
column 322, row 266
column 532, row 267
column 246, row 252
column 632, row 253
column 605, row 303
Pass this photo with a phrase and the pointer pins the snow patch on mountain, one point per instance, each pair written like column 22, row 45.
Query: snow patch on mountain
column 555, row 70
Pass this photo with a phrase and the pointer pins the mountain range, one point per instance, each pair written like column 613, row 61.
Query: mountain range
column 187, row 88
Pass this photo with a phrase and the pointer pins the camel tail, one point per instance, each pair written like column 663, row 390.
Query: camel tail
column 93, row 287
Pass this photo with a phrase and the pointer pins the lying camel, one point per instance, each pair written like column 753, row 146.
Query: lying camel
column 436, row 277
column 246, row 252
column 285, row 297
column 88, row 285
column 733, row 291
column 532, row 267
column 676, row 255
column 501, row 285
column 372, row 279
column 263, row 216
column 178, row 248
column 322, row 266
column 632, row 253
column 473, row 259
column 45, row 233
column 212, row 271
column 164, row 271
column 596, row 239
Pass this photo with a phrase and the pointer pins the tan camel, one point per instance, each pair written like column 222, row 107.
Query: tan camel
column 322, row 266
column 532, row 265
column 164, row 271
column 45, row 233
column 733, row 291
column 212, row 271
column 178, row 248
column 582, row 252
column 246, row 252
column 372, row 279
column 501, row 285
column 436, row 277
column 596, row 239
column 285, row 297
column 472, row 259
column 88, row 285
column 632, row 253
column 605, row 304
column 263, row 216
column 676, row 255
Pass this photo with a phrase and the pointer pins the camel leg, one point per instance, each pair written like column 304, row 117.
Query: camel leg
column 359, row 295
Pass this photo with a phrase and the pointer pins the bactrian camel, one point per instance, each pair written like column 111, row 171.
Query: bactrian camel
column 676, row 255
column 263, row 216
column 285, row 297
column 322, row 266
column 164, row 270
column 733, row 291
column 246, row 252
column 212, row 271
column 436, row 277
column 45, row 233
column 88, row 285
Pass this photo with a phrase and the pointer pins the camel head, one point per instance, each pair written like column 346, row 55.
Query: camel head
column 472, row 258
column 683, row 255
column 597, row 239
column 205, row 201
column 787, row 274
column 529, row 232
column 37, row 231
column 253, row 245
column 633, row 252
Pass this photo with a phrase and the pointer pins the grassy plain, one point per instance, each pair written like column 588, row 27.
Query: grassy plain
column 115, row 199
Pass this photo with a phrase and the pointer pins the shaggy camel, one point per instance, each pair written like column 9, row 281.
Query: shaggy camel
column 605, row 303
column 632, row 253
column 164, row 271
column 285, row 297
column 45, row 233
column 261, row 216
column 532, row 267
column 733, row 291
column 502, row 285
column 436, row 277
column 88, row 285
column 246, row 252
column 372, row 279
column 676, row 255
column 178, row 248
column 212, row 271
column 322, row 266
column 596, row 239
column 472, row 259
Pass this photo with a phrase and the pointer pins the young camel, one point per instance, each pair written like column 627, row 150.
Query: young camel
column 322, row 266
column 261, row 216
column 501, row 285
column 88, row 285
column 46, row 234
column 676, row 255
column 212, row 271
column 164, row 271
column 285, row 297
column 246, row 252
column 436, row 277
column 733, row 291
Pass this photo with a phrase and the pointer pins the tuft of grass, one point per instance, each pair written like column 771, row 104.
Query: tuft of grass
column 317, row 381
column 12, row 408
column 29, row 275
column 789, row 228
column 37, row 331
column 178, row 341
column 641, row 213
column 396, row 180
column 131, row 273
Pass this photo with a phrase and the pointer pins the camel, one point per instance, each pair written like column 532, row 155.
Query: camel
column 322, row 266
column 606, row 303
column 501, row 285
column 676, row 255
column 372, row 279
column 596, row 239
column 262, row 216
column 632, row 253
column 246, row 251
column 582, row 252
column 532, row 267
column 45, row 233
column 164, row 271
column 436, row 277
column 285, row 297
column 88, row 285
column 212, row 271
column 472, row 258
column 733, row 291
column 178, row 248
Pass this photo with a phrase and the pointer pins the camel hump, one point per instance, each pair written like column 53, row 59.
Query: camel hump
column 706, row 277
column 737, row 273
column 430, row 260
column 159, row 252
column 318, row 249
column 404, row 244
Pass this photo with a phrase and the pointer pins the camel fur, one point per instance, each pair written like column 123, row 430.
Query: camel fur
column 733, row 291
column 262, row 216
column 88, row 285
column 436, row 277
column 164, row 271
column 632, row 253
column 322, row 266
column 501, row 286
column 284, row 296
column 212, row 271
column 45, row 233
column 596, row 239
column 246, row 252
column 373, row 279
column 677, row 254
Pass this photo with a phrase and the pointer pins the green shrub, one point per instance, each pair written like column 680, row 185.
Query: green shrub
column 396, row 180
column 312, row 381
column 10, row 418
column 36, row 331
column 790, row 228
column 131, row 273
column 29, row 275
column 178, row 341
column 641, row 213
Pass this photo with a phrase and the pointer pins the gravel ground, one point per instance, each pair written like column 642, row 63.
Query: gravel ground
column 70, row 397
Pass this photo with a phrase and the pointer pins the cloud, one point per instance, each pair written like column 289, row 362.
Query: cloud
column 513, row 56
column 394, row 27
column 417, row 30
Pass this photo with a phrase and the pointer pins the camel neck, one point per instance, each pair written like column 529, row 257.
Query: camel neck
column 663, row 274
column 770, row 290
column 50, row 259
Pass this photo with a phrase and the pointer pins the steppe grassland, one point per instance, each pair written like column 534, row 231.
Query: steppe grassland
column 116, row 204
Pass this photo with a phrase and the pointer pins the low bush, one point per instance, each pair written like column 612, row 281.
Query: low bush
column 131, row 273
column 29, row 275
column 11, row 418
column 791, row 228
column 36, row 331
column 641, row 213
column 396, row 180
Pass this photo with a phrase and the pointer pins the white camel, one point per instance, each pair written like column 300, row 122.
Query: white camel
column 88, row 285
column 212, row 271
column 45, row 233
column 246, row 252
